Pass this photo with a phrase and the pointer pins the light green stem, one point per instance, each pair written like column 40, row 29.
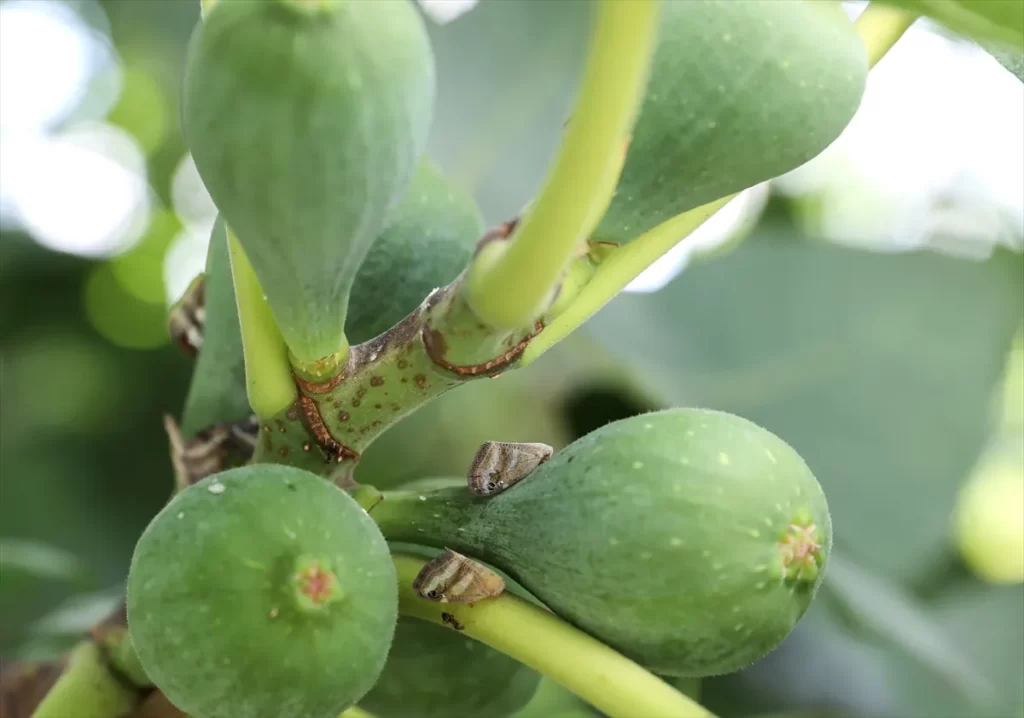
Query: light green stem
column 616, row 271
column 87, row 689
column 510, row 282
column 609, row 681
column 268, row 377
column 879, row 27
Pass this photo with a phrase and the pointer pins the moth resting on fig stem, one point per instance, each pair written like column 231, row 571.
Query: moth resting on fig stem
column 454, row 578
column 498, row 465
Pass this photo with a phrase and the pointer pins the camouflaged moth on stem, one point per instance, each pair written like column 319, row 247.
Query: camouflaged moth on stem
column 500, row 464
column 211, row 450
column 454, row 578
column 187, row 318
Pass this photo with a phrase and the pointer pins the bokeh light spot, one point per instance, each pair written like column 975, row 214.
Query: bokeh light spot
column 142, row 109
column 121, row 317
column 83, row 192
column 141, row 270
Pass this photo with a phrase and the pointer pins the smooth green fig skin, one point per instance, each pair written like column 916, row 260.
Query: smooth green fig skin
column 434, row 672
column 306, row 128
column 226, row 614
column 681, row 538
column 429, row 239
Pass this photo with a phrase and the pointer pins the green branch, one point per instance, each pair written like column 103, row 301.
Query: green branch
column 879, row 27
column 616, row 271
column 607, row 680
column 268, row 376
column 511, row 281
column 87, row 689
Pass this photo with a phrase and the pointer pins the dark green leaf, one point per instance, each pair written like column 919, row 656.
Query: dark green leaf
column 877, row 368
column 217, row 394
column 428, row 241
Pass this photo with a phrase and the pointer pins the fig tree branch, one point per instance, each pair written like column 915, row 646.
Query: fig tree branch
column 511, row 281
column 604, row 678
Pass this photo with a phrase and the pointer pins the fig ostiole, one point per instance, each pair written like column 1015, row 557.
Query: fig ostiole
column 262, row 591
column 690, row 540
column 306, row 121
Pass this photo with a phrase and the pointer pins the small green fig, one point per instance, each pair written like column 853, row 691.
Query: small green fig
column 262, row 591
column 306, row 121
column 690, row 540
column 429, row 239
column 434, row 672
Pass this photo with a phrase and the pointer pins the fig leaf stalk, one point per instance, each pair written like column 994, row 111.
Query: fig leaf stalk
column 509, row 282
column 268, row 377
column 880, row 27
column 87, row 689
column 550, row 646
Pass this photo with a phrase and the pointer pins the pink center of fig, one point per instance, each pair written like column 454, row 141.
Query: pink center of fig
column 315, row 584
column 800, row 551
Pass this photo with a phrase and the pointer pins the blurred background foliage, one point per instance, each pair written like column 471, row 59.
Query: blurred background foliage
column 867, row 308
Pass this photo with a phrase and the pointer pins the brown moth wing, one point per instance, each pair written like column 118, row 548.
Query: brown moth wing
column 187, row 318
column 454, row 578
column 499, row 464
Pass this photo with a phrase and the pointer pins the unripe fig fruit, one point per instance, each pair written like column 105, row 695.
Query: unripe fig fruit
column 690, row 540
column 262, row 591
column 435, row 672
column 306, row 121
column 429, row 239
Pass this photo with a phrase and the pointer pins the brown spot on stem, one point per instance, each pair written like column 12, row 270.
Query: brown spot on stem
column 335, row 450
column 450, row 620
column 420, row 380
column 283, row 451
column 376, row 406
column 402, row 363
column 500, row 362
column 321, row 387
column 376, row 381
column 343, row 416
column 356, row 402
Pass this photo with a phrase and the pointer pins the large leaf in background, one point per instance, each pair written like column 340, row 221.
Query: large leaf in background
column 740, row 91
column 987, row 625
column 999, row 20
column 878, row 368
column 506, row 74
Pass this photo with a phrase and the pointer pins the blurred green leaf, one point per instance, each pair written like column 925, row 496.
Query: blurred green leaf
column 740, row 92
column 878, row 368
column 1000, row 20
column 507, row 72
column 22, row 557
column 986, row 624
column 885, row 610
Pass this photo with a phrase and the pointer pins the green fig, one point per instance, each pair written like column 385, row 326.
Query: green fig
column 690, row 540
column 429, row 239
column 739, row 92
column 306, row 121
column 434, row 672
column 262, row 591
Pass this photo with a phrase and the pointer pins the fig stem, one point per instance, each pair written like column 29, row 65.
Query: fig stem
column 537, row 638
column 509, row 282
column 880, row 27
column 620, row 267
column 87, row 689
column 268, row 378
